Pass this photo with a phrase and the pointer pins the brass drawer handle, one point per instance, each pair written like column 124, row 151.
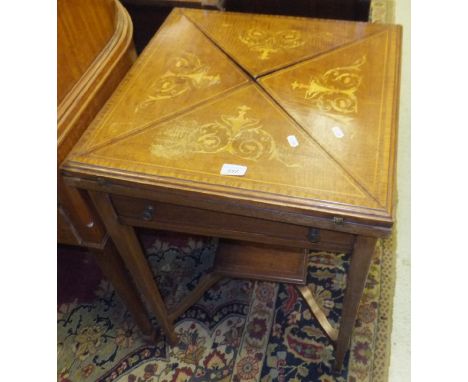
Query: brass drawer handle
column 314, row 235
column 148, row 213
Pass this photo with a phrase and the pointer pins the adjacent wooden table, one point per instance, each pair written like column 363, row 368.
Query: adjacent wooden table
column 94, row 51
column 309, row 109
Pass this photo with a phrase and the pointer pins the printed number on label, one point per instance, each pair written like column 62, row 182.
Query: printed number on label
column 233, row 170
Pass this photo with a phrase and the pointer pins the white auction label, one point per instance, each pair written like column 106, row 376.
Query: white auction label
column 338, row 132
column 293, row 142
column 233, row 169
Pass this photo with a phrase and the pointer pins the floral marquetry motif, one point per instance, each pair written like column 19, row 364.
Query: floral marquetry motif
column 343, row 100
column 267, row 43
column 262, row 44
column 335, row 90
column 184, row 73
column 277, row 135
column 194, row 146
column 306, row 106
column 179, row 69
column 240, row 135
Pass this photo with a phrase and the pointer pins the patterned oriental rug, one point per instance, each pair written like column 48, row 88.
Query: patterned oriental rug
column 239, row 331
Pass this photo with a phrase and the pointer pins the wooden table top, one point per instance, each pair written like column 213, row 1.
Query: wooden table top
column 214, row 88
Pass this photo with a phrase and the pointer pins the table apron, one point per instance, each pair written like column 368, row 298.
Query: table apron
column 242, row 208
column 171, row 217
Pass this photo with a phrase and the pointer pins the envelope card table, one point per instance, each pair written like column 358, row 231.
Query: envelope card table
column 276, row 134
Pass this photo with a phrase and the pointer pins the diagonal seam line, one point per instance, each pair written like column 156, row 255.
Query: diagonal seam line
column 291, row 67
column 280, row 67
column 339, row 47
column 162, row 120
column 253, row 81
column 182, row 111
column 296, row 123
column 134, row 76
column 320, row 54
column 287, row 116
column 220, row 48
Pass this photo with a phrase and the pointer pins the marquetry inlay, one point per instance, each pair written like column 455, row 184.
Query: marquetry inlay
column 335, row 90
column 269, row 129
column 306, row 105
column 267, row 43
column 184, row 72
column 238, row 134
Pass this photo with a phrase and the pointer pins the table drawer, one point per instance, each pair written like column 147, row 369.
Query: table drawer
column 165, row 216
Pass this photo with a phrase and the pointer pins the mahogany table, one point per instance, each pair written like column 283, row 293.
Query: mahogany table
column 276, row 134
column 94, row 51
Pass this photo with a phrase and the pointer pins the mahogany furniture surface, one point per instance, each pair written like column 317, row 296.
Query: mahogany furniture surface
column 308, row 106
column 95, row 51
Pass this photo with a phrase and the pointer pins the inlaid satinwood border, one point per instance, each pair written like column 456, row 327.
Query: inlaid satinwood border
column 372, row 221
column 280, row 68
column 290, row 67
column 382, row 111
column 150, row 124
column 363, row 211
column 262, row 186
column 129, row 84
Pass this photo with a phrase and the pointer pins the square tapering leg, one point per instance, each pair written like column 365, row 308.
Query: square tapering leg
column 129, row 248
column 361, row 258
column 114, row 270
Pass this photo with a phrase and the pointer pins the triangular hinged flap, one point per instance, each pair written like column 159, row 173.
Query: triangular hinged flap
column 346, row 100
column 262, row 43
column 179, row 69
column 249, row 130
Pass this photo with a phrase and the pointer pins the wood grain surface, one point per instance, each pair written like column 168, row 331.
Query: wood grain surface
column 83, row 29
column 192, row 103
column 237, row 259
column 308, row 107
column 95, row 50
column 263, row 43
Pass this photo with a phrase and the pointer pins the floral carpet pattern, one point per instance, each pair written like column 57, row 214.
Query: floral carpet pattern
column 239, row 331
